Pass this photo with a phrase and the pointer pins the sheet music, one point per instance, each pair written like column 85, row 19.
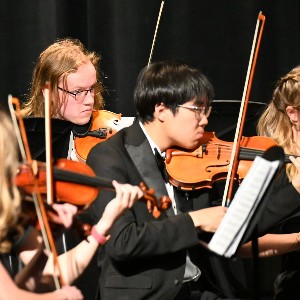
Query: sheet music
column 230, row 232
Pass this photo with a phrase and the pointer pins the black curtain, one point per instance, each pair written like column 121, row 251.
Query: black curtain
column 214, row 35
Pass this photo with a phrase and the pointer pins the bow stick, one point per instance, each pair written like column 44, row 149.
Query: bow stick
column 233, row 166
column 48, row 144
column 37, row 198
column 155, row 32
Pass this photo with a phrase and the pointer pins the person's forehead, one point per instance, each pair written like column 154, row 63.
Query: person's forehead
column 197, row 102
column 84, row 77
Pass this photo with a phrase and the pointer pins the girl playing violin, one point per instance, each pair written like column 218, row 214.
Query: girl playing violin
column 281, row 122
column 9, row 209
column 72, row 262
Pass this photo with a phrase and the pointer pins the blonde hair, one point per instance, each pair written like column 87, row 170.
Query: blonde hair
column 275, row 122
column 9, row 194
column 54, row 64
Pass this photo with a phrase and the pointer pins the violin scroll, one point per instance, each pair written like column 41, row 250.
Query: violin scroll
column 153, row 206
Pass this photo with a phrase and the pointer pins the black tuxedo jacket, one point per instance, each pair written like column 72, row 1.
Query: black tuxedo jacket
column 145, row 257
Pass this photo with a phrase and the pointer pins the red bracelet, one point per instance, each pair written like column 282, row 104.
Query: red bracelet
column 101, row 239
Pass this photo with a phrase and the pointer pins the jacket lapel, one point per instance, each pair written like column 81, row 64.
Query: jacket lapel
column 143, row 158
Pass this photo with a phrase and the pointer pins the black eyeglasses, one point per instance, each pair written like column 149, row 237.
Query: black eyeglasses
column 81, row 94
column 200, row 112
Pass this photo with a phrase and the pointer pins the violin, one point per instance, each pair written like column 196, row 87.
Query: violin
column 201, row 167
column 104, row 124
column 69, row 192
column 77, row 184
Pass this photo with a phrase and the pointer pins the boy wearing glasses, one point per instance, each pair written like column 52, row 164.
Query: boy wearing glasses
column 75, row 86
column 149, row 258
column 75, row 83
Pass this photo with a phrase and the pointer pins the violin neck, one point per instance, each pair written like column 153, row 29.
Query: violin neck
column 287, row 159
column 250, row 154
column 93, row 181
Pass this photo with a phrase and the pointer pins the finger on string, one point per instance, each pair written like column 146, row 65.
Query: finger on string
column 65, row 212
column 295, row 161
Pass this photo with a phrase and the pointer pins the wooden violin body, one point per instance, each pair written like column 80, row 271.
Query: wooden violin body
column 104, row 125
column 209, row 162
column 76, row 193
column 77, row 184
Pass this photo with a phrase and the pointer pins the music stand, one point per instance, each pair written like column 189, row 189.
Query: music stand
column 35, row 130
column 224, row 117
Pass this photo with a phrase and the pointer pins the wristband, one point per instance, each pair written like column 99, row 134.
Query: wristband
column 101, row 239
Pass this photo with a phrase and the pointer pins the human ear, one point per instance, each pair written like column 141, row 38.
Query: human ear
column 292, row 114
column 160, row 111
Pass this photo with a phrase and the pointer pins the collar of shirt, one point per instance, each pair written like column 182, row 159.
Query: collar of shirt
column 151, row 142
column 169, row 187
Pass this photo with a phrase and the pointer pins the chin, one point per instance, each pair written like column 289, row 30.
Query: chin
column 84, row 122
column 189, row 146
column 81, row 121
column 195, row 145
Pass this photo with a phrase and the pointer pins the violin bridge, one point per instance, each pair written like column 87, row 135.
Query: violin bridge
column 201, row 151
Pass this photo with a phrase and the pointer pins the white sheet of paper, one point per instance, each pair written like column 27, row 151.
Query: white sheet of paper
column 230, row 232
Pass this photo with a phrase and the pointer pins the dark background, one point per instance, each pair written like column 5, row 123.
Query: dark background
column 214, row 35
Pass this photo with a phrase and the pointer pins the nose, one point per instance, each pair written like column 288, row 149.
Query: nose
column 89, row 98
column 203, row 121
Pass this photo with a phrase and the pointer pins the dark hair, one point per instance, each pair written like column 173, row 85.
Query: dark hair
column 171, row 83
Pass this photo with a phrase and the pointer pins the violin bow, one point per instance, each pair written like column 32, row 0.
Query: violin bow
column 49, row 169
column 155, row 32
column 48, row 144
column 233, row 166
column 25, row 153
column 37, row 198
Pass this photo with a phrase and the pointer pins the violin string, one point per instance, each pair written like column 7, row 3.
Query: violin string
column 212, row 149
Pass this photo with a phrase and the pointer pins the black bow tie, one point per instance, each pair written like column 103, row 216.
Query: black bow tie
column 161, row 165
